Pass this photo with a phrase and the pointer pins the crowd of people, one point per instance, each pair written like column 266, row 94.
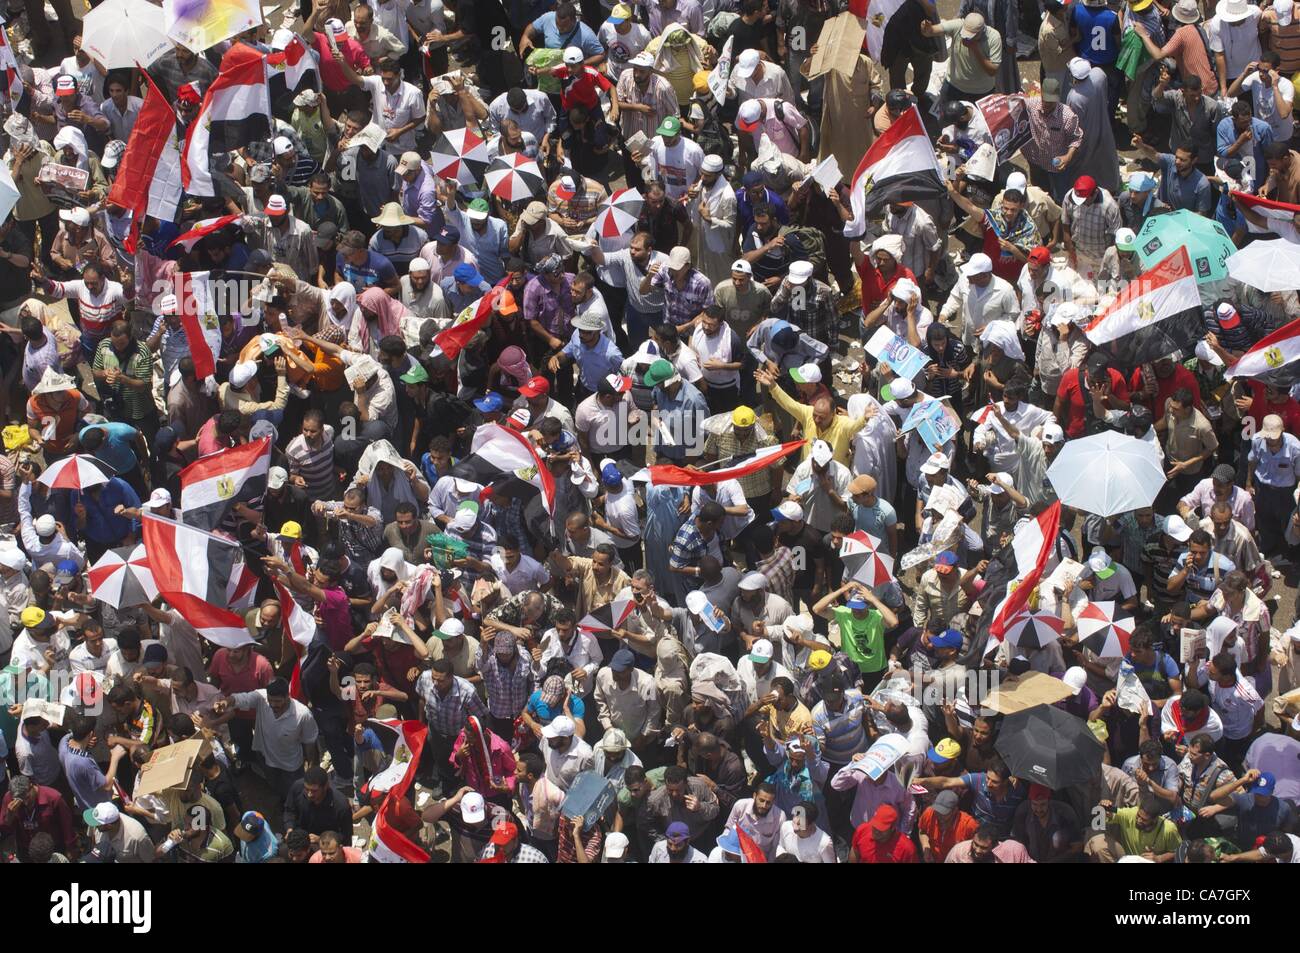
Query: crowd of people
column 741, row 608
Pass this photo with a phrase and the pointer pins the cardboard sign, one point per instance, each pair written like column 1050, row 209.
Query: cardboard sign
column 170, row 767
column 1022, row 692
column 66, row 176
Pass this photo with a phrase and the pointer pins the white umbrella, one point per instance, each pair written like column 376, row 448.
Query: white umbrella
column 1273, row 265
column 123, row 33
column 8, row 192
column 1107, row 473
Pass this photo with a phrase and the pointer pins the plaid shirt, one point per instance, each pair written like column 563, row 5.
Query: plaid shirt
column 682, row 304
column 687, row 546
column 725, row 444
column 526, row 854
column 363, row 543
column 507, row 688
column 817, row 316
column 779, row 570
column 446, row 714
column 1092, row 225
column 584, row 205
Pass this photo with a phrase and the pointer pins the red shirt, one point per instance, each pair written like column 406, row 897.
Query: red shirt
column 1078, row 401
column 1181, row 377
column 257, row 673
column 580, row 90
column 1260, row 408
column 330, row 73
column 896, row 850
column 875, row 285
column 942, row 841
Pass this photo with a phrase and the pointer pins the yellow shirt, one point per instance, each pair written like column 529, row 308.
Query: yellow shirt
column 839, row 434
column 789, row 724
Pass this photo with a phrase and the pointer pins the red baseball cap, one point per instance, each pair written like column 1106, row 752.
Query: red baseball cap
column 1228, row 316
column 1084, row 186
column 1041, row 255
column 535, row 387
column 886, row 816
column 1038, row 792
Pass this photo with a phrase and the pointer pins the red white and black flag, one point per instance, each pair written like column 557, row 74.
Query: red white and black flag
column 1266, row 215
column 1156, row 314
column 212, row 484
column 511, row 452
column 1274, row 360
column 1034, row 543
column 899, row 167
column 733, row 469
column 608, row 617
column 389, row 843
column 149, row 174
column 198, row 314
column 201, row 230
column 196, row 572
column 236, row 110
column 291, row 70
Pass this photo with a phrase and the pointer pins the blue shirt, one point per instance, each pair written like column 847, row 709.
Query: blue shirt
column 1252, row 160
column 875, row 520
column 84, row 777
column 260, row 849
column 594, row 363
column 544, row 713
column 745, row 211
column 582, row 36
column 682, row 416
column 490, row 249
column 986, row 808
column 1275, row 469
column 1192, row 192
column 458, row 300
column 118, row 448
column 103, row 526
column 377, row 270
column 1098, row 36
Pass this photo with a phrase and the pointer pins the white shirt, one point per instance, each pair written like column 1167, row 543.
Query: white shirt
column 1236, row 705
column 755, row 686
column 621, row 513
column 563, row 766
column 584, row 653
column 816, row 848
column 678, row 166
column 80, row 660
column 621, row 47
column 718, row 347
column 1266, row 104
column 997, row 444
column 391, row 110
column 727, row 494
column 527, row 574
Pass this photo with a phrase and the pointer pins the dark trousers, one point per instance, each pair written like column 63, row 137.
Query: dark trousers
column 337, row 740
column 1273, row 506
column 631, row 558
column 722, row 400
column 921, row 65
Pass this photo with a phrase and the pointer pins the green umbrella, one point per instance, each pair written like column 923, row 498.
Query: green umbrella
column 1208, row 244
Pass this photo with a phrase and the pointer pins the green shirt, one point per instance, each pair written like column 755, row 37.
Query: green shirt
column 964, row 70
column 862, row 640
column 136, row 403
column 1163, row 838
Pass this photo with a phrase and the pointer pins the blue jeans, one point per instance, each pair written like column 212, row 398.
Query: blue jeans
column 638, row 325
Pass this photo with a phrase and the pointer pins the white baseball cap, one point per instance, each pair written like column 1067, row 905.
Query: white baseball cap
column 979, row 264
column 76, row 216
column 472, row 808
column 1052, row 433
column 561, row 726
column 761, row 651
column 822, row 453
column 105, row 812
column 242, row 373
column 740, row 266
column 937, row 463
column 800, row 272
column 276, row 477
column 573, row 55
column 789, row 510
column 159, row 498
column 283, row 145
column 1017, row 182
column 746, row 63
column 752, row 582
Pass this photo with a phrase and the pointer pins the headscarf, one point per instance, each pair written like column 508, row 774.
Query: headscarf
column 387, row 311
column 386, row 499
column 892, row 245
column 514, row 362
column 67, row 336
column 677, row 37
column 345, row 294
column 670, row 666
column 72, row 136
column 709, row 694
column 20, row 131
column 393, row 560
column 1003, row 334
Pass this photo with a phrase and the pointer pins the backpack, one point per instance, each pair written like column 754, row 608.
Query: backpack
column 712, row 137
column 813, row 243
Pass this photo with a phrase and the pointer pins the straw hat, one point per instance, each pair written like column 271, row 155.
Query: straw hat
column 391, row 216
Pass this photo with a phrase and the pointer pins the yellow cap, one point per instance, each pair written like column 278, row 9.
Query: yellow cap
column 701, row 81
column 819, row 659
column 292, row 529
column 621, row 11
column 743, row 416
column 946, row 750
column 33, row 616
column 1137, row 6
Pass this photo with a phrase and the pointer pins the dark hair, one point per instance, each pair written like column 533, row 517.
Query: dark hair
column 1201, row 538
column 180, row 726
column 366, row 669
column 997, row 766
column 315, row 775
column 988, row 831
column 675, row 774
column 1201, row 742
column 442, row 666
column 388, row 65
column 93, row 438
column 1198, row 852
column 534, row 765
column 566, row 10
column 1013, row 195
column 564, row 615
column 121, row 693
column 229, row 421
column 1192, row 82
column 40, row 848
column 406, row 506
column 783, row 683
column 761, row 208
column 635, row 774
column 1278, row 844
column 1142, row 638
column 1184, row 396
column 79, row 726
column 1191, row 700
column 1151, row 749
column 1225, row 664
column 1271, row 57
column 711, row 511
column 33, row 330
column 842, row 523
column 765, row 787
column 1277, row 150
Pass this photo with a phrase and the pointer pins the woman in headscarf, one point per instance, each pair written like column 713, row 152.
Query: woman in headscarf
column 70, row 149
column 1001, row 358
column 393, row 481
column 510, row 372
column 379, row 316
column 384, row 574
column 1061, row 347
column 679, row 55
column 663, row 520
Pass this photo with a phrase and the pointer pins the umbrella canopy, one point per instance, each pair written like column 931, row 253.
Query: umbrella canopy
column 122, row 577
column 8, row 191
column 1107, row 473
column 76, row 473
column 1279, row 756
column 124, row 33
column 1033, row 630
column 1101, row 632
column 514, row 178
column 461, row 155
column 199, row 24
column 1050, row 747
column 1273, row 265
column 1208, row 244
column 619, row 214
column 863, row 560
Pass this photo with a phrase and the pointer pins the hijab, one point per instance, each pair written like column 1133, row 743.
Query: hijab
column 387, row 311
column 346, row 295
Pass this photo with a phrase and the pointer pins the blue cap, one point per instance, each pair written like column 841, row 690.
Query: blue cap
column 467, row 274
column 623, row 660
column 947, row 639
column 729, row 841
column 490, row 403
column 946, row 558
column 449, row 235
column 611, row 475
column 750, row 179
column 66, row 567
column 253, row 822
column 678, row 831
column 1264, row 784
column 856, row 602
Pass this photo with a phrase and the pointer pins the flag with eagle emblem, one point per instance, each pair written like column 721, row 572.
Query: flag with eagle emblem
column 900, row 166
column 878, row 13
column 1155, row 315
column 1275, row 360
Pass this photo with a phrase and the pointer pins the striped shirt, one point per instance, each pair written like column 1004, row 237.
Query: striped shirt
column 841, row 734
column 97, row 310
column 446, row 714
column 137, row 403
column 315, row 466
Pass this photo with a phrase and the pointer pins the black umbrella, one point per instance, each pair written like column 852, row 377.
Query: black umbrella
column 1050, row 747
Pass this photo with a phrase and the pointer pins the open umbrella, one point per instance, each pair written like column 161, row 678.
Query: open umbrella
column 1279, row 756
column 461, row 155
column 122, row 577
column 199, row 24
column 1107, row 473
column 1050, row 747
column 8, row 191
column 863, row 560
column 1208, row 244
column 619, row 214
column 123, row 33
column 1100, row 632
column 1033, row 630
column 1273, row 265
column 514, row 178
column 76, row 473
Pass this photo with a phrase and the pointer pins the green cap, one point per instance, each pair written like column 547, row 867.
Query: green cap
column 671, row 126
column 416, row 375
column 479, row 209
column 658, row 372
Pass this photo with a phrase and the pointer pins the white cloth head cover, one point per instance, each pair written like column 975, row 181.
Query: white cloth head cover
column 1003, row 334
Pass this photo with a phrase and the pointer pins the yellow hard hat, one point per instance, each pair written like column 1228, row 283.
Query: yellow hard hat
column 743, row 416
column 291, row 529
column 32, row 616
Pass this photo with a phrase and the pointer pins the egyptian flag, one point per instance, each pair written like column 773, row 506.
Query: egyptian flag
column 291, row 70
column 735, row 468
column 149, row 175
column 468, row 323
column 198, row 315
column 236, row 110
column 201, row 230
column 193, row 571
column 13, row 84
column 899, row 167
column 1275, row 360
column 749, row 849
column 388, row 844
column 1034, row 543
column 608, row 617
column 405, row 753
column 511, row 452
column 1280, row 217
column 212, row 484
column 300, row 626
column 877, row 13
column 1156, row 314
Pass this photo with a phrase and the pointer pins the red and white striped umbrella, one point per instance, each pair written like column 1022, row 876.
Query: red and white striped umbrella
column 1033, row 630
column 122, row 577
column 1101, row 632
column 619, row 214
column 514, row 178
column 461, row 155
column 76, row 473
column 863, row 560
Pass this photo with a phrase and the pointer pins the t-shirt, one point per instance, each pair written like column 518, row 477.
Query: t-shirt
column 376, row 270
column 1099, row 39
column 863, row 640
column 964, row 70
column 1161, row 839
column 1263, row 99
column 1078, row 400
column 895, row 850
